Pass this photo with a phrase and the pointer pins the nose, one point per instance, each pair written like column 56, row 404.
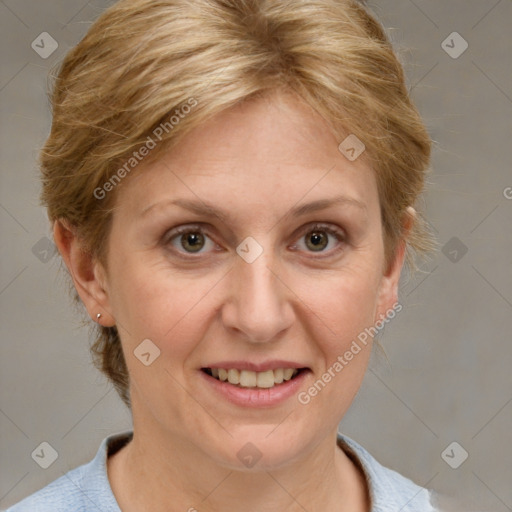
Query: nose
column 258, row 305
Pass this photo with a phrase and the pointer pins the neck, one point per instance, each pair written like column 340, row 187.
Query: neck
column 154, row 472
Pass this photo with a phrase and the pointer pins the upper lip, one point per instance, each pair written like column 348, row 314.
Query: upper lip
column 256, row 367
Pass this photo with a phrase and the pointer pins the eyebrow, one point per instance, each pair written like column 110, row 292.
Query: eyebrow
column 203, row 208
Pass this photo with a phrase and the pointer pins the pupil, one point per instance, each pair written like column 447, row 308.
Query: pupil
column 317, row 239
column 193, row 240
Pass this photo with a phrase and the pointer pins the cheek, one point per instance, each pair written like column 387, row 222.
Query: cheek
column 341, row 307
column 160, row 305
column 341, row 312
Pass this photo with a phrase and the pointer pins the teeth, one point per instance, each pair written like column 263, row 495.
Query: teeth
column 233, row 376
column 288, row 373
column 247, row 379
column 278, row 375
column 265, row 379
column 250, row 379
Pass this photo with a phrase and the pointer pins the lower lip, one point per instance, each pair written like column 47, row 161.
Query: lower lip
column 252, row 397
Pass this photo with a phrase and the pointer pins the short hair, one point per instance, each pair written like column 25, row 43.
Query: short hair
column 163, row 67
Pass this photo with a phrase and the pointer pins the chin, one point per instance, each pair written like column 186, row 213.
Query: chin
column 259, row 448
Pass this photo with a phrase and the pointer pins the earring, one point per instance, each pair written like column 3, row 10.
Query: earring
column 98, row 316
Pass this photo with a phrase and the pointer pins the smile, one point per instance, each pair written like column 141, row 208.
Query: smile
column 251, row 379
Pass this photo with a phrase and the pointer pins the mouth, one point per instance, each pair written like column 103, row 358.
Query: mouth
column 254, row 380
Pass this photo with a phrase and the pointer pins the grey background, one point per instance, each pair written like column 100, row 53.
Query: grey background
column 447, row 377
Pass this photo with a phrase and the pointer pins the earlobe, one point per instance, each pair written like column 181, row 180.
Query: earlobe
column 87, row 273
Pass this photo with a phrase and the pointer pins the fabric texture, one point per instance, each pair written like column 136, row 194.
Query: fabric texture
column 87, row 488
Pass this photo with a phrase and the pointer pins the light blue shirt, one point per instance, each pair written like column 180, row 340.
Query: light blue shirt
column 87, row 488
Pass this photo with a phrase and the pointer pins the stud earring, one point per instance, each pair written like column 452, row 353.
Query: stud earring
column 98, row 316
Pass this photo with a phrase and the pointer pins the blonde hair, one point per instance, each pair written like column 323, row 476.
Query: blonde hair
column 142, row 61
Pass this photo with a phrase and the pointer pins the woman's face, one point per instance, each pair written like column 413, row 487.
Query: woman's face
column 282, row 268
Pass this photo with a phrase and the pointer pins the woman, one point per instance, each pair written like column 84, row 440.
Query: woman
column 232, row 187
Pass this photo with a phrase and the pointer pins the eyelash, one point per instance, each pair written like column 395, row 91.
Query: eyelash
column 339, row 234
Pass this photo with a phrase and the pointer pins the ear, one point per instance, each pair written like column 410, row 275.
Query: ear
column 388, row 293
column 88, row 274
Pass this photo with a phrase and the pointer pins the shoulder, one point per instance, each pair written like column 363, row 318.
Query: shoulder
column 64, row 494
column 389, row 490
column 83, row 489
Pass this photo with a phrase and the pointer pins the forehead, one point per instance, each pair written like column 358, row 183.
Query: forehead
column 269, row 153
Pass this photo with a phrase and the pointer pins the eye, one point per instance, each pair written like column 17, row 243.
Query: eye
column 189, row 239
column 320, row 238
